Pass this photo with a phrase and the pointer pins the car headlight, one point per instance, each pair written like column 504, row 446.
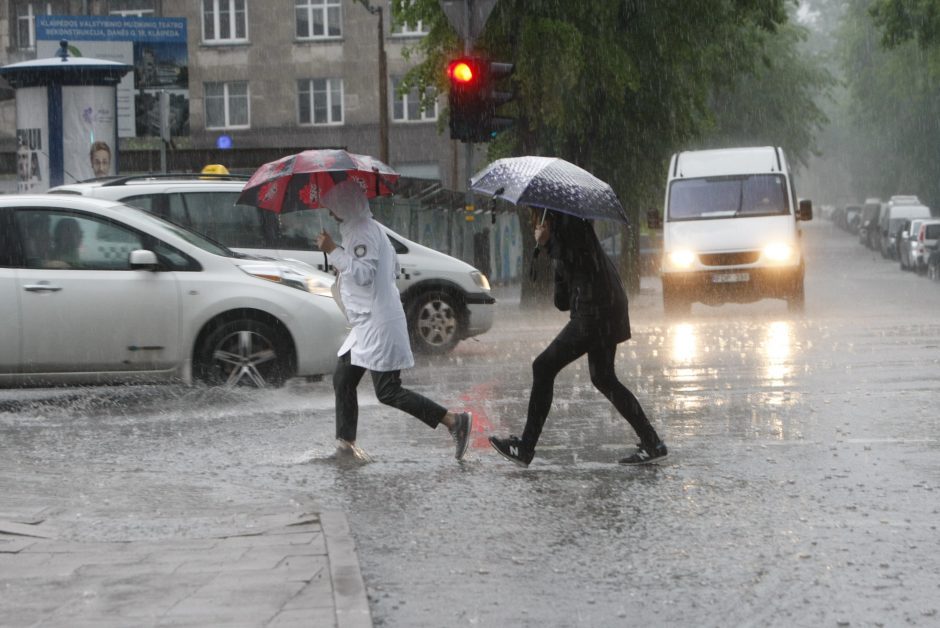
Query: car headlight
column 291, row 278
column 480, row 280
column 778, row 252
column 681, row 258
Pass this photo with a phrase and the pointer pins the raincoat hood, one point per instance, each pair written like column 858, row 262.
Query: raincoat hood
column 347, row 201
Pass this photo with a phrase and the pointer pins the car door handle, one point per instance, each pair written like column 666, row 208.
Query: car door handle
column 42, row 286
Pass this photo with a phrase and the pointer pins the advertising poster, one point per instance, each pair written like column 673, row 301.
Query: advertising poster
column 32, row 136
column 88, row 132
column 155, row 46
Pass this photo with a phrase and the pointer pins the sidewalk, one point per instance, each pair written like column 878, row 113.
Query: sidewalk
column 272, row 569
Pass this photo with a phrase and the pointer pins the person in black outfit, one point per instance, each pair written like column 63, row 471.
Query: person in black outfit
column 586, row 284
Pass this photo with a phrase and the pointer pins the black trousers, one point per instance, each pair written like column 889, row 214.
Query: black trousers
column 575, row 339
column 388, row 389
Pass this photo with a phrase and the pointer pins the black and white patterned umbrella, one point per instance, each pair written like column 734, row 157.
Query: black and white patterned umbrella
column 549, row 182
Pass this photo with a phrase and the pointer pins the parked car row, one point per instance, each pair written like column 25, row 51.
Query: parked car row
column 165, row 278
column 901, row 229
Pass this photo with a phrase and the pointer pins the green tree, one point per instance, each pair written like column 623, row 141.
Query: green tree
column 777, row 102
column 891, row 62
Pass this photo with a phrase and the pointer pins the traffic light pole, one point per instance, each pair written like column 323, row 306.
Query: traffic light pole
column 468, row 147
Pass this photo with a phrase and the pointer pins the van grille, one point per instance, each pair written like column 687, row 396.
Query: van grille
column 729, row 259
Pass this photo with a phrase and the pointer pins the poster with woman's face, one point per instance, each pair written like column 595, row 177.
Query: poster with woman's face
column 32, row 150
column 89, row 132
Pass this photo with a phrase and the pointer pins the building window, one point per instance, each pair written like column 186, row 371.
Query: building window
column 319, row 19
column 224, row 21
column 403, row 29
column 227, row 105
column 407, row 107
column 131, row 8
column 26, row 13
column 320, row 101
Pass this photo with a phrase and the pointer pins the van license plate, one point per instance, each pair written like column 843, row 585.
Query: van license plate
column 730, row 277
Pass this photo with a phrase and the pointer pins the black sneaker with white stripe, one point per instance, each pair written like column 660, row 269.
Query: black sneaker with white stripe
column 645, row 454
column 512, row 450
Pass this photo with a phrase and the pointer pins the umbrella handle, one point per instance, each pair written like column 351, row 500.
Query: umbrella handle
column 541, row 222
column 533, row 274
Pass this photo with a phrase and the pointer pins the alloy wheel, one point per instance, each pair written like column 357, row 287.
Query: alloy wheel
column 245, row 357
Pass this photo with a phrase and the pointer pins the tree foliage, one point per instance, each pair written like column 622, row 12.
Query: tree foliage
column 892, row 75
column 903, row 20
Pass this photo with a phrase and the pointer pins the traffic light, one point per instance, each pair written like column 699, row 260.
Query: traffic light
column 474, row 97
column 466, row 98
column 493, row 123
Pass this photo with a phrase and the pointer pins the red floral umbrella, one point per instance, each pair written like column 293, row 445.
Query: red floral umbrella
column 299, row 181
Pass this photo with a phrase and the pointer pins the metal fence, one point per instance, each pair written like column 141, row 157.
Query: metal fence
column 486, row 238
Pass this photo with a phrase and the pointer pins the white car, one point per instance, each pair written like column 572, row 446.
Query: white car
column 446, row 300
column 93, row 291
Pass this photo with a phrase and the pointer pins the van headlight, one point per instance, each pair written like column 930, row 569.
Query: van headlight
column 681, row 259
column 289, row 277
column 480, row 280
column 778, row 252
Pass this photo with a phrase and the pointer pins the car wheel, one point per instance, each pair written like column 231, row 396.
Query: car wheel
column 433, row 323
column 244, row 352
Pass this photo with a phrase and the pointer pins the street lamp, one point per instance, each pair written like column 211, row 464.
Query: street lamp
column 383, row 81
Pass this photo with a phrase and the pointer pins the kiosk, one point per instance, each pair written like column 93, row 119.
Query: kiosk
column 66, row 126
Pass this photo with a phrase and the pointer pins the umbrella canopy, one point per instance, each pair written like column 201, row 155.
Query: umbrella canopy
column 299, row 181
column 551, row 183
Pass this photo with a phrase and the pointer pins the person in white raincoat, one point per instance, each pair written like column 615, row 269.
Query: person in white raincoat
column 367, row 266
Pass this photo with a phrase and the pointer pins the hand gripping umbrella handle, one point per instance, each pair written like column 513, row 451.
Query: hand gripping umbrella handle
column 541, row 222
column 535, row 254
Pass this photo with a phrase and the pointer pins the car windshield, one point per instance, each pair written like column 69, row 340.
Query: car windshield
column 189, row 236
column 728, row 197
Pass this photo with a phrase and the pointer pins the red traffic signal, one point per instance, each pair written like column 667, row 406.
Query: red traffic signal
column 474, row 98
column 466, row 99
column 462, row 71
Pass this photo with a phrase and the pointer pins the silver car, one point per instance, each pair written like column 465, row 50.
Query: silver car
column 94, row 291
column 918, row 241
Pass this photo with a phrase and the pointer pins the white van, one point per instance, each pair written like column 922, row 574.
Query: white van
column 731, row 229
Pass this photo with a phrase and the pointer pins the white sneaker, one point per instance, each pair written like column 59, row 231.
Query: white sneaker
column 350, row 451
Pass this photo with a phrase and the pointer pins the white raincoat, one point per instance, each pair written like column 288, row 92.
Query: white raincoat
column 368, row 267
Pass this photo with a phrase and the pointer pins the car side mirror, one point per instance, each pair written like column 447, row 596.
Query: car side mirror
column 143, row 260
column 904, row 235
column 806, row 210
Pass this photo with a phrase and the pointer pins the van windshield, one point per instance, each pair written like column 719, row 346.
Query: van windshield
column 728, row 197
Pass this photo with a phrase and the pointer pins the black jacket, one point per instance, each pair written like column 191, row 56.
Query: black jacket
column 586, row 281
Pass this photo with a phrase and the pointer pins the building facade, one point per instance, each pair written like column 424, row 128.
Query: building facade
column 268, row 78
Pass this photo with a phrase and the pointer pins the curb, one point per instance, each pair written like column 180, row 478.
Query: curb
column 349, row 593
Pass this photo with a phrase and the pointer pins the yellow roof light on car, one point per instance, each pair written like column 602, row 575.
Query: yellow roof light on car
column 216, row 169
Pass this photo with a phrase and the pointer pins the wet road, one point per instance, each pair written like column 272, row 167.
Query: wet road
column 802, row 488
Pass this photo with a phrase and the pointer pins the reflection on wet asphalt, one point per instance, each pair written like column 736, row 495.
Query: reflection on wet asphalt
column 801, row 488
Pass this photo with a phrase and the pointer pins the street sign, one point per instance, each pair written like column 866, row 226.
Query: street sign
column 458, row 11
